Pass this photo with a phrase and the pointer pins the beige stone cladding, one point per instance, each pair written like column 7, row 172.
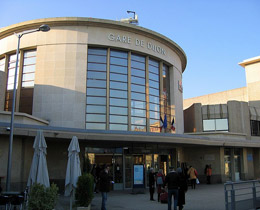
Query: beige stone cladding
column 239, row 94
column 252, row 68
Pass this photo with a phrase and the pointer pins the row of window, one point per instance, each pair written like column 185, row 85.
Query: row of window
column 25, row 85
column 108, row 69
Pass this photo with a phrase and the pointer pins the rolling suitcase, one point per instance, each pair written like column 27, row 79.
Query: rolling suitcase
column 164, row 197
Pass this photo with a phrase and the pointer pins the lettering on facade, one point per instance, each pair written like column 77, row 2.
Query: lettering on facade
column 137, row 42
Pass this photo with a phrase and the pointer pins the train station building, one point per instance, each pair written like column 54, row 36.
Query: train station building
column 118, row 88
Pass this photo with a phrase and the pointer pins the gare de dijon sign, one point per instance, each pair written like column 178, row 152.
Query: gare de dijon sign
column 137, row 42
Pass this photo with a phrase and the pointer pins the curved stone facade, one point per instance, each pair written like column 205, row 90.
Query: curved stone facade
column 60, row 81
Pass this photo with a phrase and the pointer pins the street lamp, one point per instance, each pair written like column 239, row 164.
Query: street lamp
column 43, row 28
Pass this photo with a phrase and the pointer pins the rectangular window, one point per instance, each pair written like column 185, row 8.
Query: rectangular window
column 255, row 128
column 215, row 125
column 96, row 89
column 2, row 64
column 118, row 116
column 138, row 99
column 27, row 83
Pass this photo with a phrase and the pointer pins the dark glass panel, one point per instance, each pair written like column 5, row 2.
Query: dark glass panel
column 118, row 69
column 138, row 121
column 138, row 104
column 96, row 75
column 97, row 51
column 154, row 77
column 96, row 100
column 138, row 65
column 95, row 118
column 138, row 96
column 119, row 54
column 118, row 85
column 96, row 126
column 96, row 109
column 154, row 115
column 118, row 119
column 139, row 73
column 118, row 77
column 154, row 99
column 118, row 94
column 118, row 102
column 97, row 59
column 97, row 66
column 96, row 92
column 153, row 70
column 153, row 84
column 154, row 107
column 96, row 83
column 118, row 127
column 137, row 80
column 138, row 88
column 118, row 61
column 154, row 123
column 138, row 112
column 118, row 110
column 153, row 62
column 153, row 91
column 139, row 58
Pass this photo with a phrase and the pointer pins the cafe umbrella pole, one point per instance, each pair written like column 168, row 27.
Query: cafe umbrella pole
column 43, row 28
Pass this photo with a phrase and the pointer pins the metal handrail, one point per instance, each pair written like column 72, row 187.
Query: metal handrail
column 232, row 194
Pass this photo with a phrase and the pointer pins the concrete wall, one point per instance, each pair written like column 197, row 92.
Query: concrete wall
column 193, row 119
column 199, row 157
column 253, row 83
column 239, row 112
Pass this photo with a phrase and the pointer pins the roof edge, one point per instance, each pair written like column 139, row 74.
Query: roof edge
column 56, row 21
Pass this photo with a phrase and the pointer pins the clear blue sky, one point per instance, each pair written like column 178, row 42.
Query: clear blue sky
column 215, row 34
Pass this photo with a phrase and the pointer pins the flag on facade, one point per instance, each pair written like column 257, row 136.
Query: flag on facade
column 161, row 124
column 165, row 121
column 173, row 125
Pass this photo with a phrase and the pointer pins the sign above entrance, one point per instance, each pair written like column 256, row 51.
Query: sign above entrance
column 136, row 42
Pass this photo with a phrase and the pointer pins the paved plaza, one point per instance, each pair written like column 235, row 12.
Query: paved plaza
column 204, row 197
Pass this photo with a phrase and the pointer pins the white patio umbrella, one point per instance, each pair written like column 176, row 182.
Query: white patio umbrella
column 73, row 169
column 39, row 171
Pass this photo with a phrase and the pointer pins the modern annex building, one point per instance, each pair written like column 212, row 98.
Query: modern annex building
column 232, row 114
column 108, row 83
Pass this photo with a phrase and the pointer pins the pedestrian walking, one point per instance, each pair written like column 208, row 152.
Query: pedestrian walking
column 192, row 172
column 208, row 174
column 183, row 187
column 151, row 183
column 105, row 180
column 159, row 182
column 172, row 183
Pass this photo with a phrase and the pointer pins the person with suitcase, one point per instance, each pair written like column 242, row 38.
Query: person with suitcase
column 172, row 183
column 159, row 182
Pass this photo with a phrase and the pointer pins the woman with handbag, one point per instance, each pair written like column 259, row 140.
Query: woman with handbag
column 159, row 183
column 193, row 176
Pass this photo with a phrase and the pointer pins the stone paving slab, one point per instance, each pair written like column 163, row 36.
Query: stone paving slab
column 204, row 197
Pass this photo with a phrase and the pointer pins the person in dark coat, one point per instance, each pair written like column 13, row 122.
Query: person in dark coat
column 151, row 183
column 183, row 187
column 172, row 182
column 104, row 187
